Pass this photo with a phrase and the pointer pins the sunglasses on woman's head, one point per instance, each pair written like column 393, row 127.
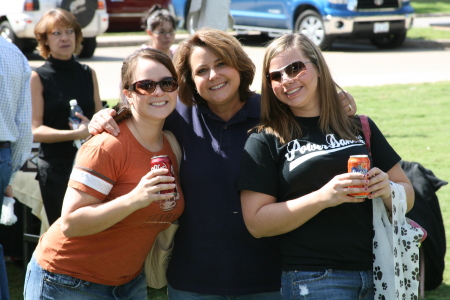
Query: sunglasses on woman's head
column 147, row 87
column 292, row 70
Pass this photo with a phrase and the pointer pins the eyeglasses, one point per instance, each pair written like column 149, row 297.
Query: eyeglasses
column 163, row 32
column 292, row 70
column 147, row 87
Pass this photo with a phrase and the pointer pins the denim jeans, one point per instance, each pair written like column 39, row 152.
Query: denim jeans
column 42, row 284
column 5, row 176
column 5, row 172
column 327, row 284
column 182, row 295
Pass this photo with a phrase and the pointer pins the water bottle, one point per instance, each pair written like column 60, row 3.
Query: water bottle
column 75, row 120
column 73, row 109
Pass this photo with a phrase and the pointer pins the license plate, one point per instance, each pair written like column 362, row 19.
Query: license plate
column 380, row 27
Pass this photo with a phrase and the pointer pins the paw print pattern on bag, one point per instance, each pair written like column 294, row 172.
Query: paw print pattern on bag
column 397, row 236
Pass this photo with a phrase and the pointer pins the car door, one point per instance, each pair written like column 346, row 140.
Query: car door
column 244, row 12
column 262, row 13
column 274, row 13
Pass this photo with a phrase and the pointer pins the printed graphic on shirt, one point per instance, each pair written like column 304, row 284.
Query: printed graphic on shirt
column 298, row 154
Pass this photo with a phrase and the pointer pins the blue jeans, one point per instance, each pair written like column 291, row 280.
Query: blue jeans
column 5, row 172
column 42, row 284
column 182, row 295
column 328, row 284
column 5, row 176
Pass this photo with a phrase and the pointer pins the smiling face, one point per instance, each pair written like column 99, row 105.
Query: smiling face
column 299, row 93
column 215, row 81
column 61, row 41
column 159, row 104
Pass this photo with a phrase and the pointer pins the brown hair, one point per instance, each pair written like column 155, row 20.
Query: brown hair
column 278, row 119
column 227, row 48
column 156, row 16
column 130, row 63
column 51, row 19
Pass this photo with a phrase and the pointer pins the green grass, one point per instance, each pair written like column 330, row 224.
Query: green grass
column 428, row 33
column 414, row 118
column 431, row 7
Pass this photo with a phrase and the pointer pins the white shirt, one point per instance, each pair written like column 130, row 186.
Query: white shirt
column 15, row 103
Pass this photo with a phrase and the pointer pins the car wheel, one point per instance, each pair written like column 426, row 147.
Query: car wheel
column 310, row 24
column 389, row 41
column 89, row 45
column 25, row 45
column 84, row 11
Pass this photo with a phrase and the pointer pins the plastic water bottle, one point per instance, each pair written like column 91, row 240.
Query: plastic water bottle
column 74, row 119
column 73, row 109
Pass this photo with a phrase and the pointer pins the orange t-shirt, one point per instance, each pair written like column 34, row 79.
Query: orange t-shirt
column 108, row 167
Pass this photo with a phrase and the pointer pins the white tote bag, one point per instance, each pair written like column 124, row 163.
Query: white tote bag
column 396, row 249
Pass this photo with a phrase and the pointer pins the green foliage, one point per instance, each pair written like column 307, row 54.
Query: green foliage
column 428, row 33
column 430, row 6
column 414, row 119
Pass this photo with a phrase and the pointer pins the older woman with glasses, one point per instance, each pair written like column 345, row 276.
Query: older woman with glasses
column 53, row 85
column 160, row 26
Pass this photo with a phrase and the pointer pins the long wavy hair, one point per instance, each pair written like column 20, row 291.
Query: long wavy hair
column 277, row 117
column 227, row 48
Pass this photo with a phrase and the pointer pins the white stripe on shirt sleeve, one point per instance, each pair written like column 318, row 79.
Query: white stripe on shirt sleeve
column 91, row 181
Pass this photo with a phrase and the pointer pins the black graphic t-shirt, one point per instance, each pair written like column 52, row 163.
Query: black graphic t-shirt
column 339, row 237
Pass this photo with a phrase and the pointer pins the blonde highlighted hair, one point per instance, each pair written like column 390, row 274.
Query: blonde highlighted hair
column 278, row 119
column 50, row 20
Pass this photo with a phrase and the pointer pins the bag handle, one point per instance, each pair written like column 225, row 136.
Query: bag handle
column 174, row 145
column 366, row 130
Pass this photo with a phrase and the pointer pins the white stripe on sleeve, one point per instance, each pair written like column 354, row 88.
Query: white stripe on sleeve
column 91, row 181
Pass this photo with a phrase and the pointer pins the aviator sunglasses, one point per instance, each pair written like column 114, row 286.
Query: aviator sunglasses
column 292, row 70
column 147, row 87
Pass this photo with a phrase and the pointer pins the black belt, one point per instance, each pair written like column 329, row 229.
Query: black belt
column 5, row 145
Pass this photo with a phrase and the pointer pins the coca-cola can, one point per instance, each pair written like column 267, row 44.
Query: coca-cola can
column 359, row 164
column 163, row 162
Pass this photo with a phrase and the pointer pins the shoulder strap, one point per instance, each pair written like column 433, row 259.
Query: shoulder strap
column 174, row 145
column 366, row 131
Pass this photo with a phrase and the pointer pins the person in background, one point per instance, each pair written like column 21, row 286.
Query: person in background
column 160, row 26
column 53, row 85
column 113, row 209
column 214, row 256
column 294, row 181
column 15, row 127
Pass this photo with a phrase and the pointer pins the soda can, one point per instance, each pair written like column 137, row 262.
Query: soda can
column 359, row 164
column 163, row 162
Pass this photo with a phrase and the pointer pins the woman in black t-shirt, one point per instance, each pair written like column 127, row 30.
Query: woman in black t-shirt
column 294, row 181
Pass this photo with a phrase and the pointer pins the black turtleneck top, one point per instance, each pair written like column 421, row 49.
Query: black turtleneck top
column 64, row 80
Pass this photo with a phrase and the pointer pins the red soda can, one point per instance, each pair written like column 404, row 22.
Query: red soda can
column 163, row 162
column 359, row 164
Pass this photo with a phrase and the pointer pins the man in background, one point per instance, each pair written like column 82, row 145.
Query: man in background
column 15, row 127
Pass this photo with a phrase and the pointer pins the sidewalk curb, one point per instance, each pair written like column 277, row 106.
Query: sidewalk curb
column 137, row 41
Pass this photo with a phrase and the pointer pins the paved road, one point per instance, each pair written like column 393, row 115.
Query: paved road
column 352, row 63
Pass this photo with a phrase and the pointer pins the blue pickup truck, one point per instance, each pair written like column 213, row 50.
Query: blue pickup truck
column 384, row 22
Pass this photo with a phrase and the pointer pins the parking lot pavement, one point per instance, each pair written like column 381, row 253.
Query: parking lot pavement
column 440, row 21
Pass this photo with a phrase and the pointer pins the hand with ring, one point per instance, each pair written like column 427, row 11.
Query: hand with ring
column 348, row 103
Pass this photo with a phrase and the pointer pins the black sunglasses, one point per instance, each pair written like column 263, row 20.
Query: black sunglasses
column 292, row 70
column 147, row 87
